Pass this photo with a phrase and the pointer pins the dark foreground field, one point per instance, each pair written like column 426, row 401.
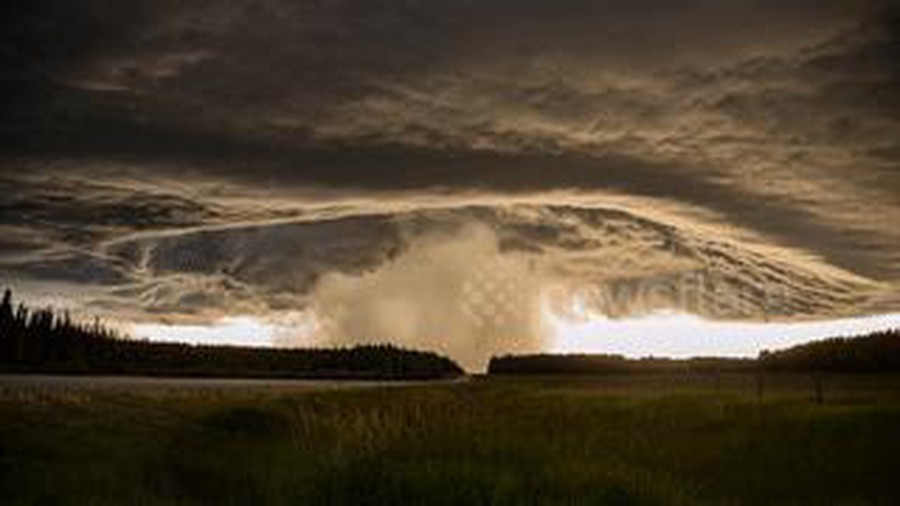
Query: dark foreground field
column 614, row 440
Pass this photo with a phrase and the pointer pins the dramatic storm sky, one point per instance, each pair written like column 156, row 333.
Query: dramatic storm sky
column 445, row 173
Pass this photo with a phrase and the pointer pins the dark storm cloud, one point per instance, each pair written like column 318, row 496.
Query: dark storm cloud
column 201, row 65
column 207, row 158
column 44, row 39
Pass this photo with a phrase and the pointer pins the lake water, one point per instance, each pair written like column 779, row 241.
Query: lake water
column 94, row 383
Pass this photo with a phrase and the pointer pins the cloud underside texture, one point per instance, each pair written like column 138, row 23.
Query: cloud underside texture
column 421, row 167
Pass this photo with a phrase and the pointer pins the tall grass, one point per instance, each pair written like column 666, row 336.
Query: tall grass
column 505, row 441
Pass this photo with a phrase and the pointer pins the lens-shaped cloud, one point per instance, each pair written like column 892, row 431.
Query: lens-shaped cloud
column 181, row 161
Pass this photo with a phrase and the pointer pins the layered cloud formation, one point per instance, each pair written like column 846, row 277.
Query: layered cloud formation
column 447, row 170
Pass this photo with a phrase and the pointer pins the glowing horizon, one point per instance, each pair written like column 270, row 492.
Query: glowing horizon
column 673, row 335
column 230, row 330
column 676, row 335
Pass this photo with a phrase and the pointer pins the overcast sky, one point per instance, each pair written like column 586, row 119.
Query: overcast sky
column 403, row 168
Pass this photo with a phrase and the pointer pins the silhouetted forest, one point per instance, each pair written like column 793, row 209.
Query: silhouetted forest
column 44, row 341
column 575, row 364
column 874, row 352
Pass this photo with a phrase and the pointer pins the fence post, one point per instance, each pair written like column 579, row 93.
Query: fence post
column 760, row 384
column 817, row 384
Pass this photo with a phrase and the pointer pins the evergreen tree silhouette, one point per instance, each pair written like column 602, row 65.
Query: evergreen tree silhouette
column 43, row 341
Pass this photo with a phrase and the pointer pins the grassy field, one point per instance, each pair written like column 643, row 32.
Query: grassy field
column 614, row 440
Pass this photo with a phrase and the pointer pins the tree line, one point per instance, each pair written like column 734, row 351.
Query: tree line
column 46, row 341
column 873, row 352
column 597, row 364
